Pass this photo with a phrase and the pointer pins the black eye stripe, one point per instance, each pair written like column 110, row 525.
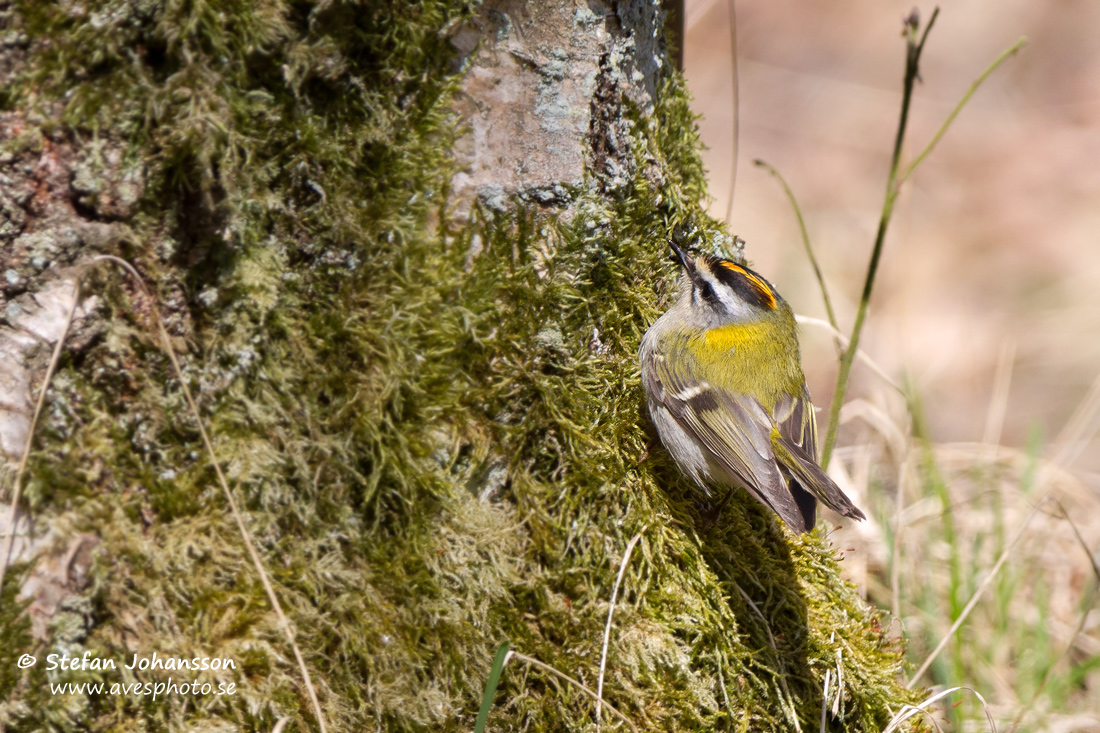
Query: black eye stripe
column 708, row 292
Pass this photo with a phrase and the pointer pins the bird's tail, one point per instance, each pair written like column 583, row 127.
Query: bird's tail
column 803, row 469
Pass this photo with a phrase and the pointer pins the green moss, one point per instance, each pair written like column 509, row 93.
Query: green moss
column 434, row 454
column 15, row 625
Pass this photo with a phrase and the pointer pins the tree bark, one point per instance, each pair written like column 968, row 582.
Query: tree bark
column 405, row 253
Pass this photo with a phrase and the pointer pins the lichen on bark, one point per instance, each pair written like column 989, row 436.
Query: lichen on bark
column 428, row 405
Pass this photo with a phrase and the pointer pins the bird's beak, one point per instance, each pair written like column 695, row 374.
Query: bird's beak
column 685, row 259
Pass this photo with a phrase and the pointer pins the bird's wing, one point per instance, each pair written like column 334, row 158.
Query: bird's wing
column 794, row 416
column 795, row 447
column 735, row 428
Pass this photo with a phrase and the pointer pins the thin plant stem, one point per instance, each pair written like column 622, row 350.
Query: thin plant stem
column 1076, row 433
column 1010, row 51
column 722, row 684
column 893, row 186
column 242, row 526
column 734, row 126
column 977, row 595
column 805, row 242
column 895, row 563
column 610, row 612
column 1081, row 541
column 825, row 699
column 561, row 675
column 911, row 711
column 1057, row 662
column 998, row 401
column 1087, row 603
column 912, row 73
column 779, row 662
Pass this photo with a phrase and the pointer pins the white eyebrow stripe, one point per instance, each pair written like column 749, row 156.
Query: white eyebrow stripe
column 722, row 291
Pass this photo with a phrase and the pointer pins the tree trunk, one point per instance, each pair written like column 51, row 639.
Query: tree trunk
column 405, row 253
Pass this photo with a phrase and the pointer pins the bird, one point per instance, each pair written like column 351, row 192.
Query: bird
column 725, row 390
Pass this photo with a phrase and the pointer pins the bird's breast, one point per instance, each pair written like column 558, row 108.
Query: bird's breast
column 751, row 358
column 735, row 336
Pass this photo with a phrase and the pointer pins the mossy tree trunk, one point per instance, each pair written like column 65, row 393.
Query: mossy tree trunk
column 406, row 252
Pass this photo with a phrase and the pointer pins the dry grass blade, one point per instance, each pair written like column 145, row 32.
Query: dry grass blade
column 722, row 681
column 1080, row 540
column 1077, row 630
column 839, row 699
column 807, row 246
column 17, row 490
column 246, row 536
column 998, row 402
column 1075, row 434
column 560, row 675
column 899, row 506
column 786, row 698
column 976, row 596
column 733, row 127
column 610, row 612
column 825, row 698
column 860, row 353
column 1065, row 653
column 911, row 711
column 1005, row 55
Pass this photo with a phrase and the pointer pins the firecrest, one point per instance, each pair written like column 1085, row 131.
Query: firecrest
column 724, row 386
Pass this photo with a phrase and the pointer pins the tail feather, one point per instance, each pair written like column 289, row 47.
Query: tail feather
column 806, row 502
column 810, row 477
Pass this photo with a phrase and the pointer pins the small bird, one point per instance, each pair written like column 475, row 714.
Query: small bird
column 724, row 384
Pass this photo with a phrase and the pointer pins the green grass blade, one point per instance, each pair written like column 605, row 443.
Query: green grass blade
column 491, row 688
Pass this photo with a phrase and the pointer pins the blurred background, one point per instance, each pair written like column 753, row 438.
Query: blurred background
column 996, row 240
column 987, row 302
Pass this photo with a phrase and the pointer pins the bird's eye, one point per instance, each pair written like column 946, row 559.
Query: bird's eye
column 708, row 292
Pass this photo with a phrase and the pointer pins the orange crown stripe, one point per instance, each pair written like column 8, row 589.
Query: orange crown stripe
column 760, row 285
column 764, row 290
